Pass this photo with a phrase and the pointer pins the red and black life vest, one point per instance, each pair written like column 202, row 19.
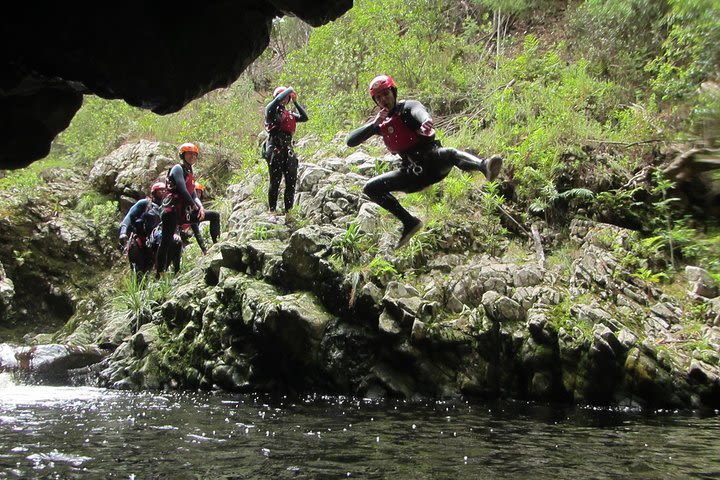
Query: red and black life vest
column 177, row 201
column 397, row 136
column 287, row 123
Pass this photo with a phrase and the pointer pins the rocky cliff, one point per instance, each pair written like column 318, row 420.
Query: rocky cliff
column 320, row 301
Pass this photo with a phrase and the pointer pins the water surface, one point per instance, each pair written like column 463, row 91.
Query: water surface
column 82, row 432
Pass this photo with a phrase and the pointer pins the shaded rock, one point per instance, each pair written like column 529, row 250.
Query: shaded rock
column 649, row 382
column 501, row 308
column 306, row 249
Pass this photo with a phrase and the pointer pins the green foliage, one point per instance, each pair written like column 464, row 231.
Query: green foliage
column 691, row 50
column 260, row 232
column 97, row 128
column 90, row 200
column 648, row 275
column 220, row 118
column 619, row 36
column 379, row 268
column 353, row 245
column 561, row 316
column 423, row 242
column 20, row 182
column 137, row 297
column 409, row 40
column 23, row 183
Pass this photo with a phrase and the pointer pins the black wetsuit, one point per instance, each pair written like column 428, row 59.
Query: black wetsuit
column 424, row 163
column 210, row 216
column 139, row 223
column 179, row 206
column 282, row 161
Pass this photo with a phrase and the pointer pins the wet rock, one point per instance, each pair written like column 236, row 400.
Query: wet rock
column 501, row 308
column 701, row 283
column 649, row 382
column 48, row 363
column 388, row 324
column 307, row 247
column 312, row 178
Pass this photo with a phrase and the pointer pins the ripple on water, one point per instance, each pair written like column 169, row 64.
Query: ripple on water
column 40, row 460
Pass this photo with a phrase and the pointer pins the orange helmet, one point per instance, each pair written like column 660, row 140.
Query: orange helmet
column 380, row 83
column 278, row 91
column 158, row 186
column 188, row 147
column 199, row 186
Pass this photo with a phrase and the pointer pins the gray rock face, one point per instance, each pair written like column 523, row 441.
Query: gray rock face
column 701, row 283
column 60, row 53
column 131, row 169
column 303, row 303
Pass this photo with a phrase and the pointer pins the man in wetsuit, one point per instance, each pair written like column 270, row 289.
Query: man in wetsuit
column 280, row 124
column 136, row 230
column 407, row 130
column 181, row 204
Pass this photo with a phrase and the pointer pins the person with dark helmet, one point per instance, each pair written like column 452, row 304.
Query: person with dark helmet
column 407, row 130
column 181, row 204
column 136, row 230
column 280, row 124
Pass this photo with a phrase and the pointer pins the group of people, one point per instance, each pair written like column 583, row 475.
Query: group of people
column 406, row 129
column 152, row 231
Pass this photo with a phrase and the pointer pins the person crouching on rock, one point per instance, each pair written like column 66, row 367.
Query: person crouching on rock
column 136, row 230
column 181, row 204
column 280, row 124
column 407, row 130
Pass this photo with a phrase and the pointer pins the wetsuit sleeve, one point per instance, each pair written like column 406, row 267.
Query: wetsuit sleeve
column 301, row 116
column 361, row 134
column 271, row 109
column 414, row 112
column 177, row 177
column 196, row 199
column 132, row 215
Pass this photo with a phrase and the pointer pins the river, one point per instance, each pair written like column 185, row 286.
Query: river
column 88, row 433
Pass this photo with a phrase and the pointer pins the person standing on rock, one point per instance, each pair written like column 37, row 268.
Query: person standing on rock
column 407, row 130
column 280, row 124
column 136, row 230
column 181, row 204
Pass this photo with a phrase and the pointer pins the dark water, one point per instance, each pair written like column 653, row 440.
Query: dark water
column 65, row 432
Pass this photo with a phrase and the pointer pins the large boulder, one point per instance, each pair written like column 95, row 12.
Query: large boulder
column 130, row 169
column 48, row 363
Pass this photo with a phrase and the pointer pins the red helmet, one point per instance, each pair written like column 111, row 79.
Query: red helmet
column 188, row 147
column 380, row 83
column 278, row 91
column 158, row 186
